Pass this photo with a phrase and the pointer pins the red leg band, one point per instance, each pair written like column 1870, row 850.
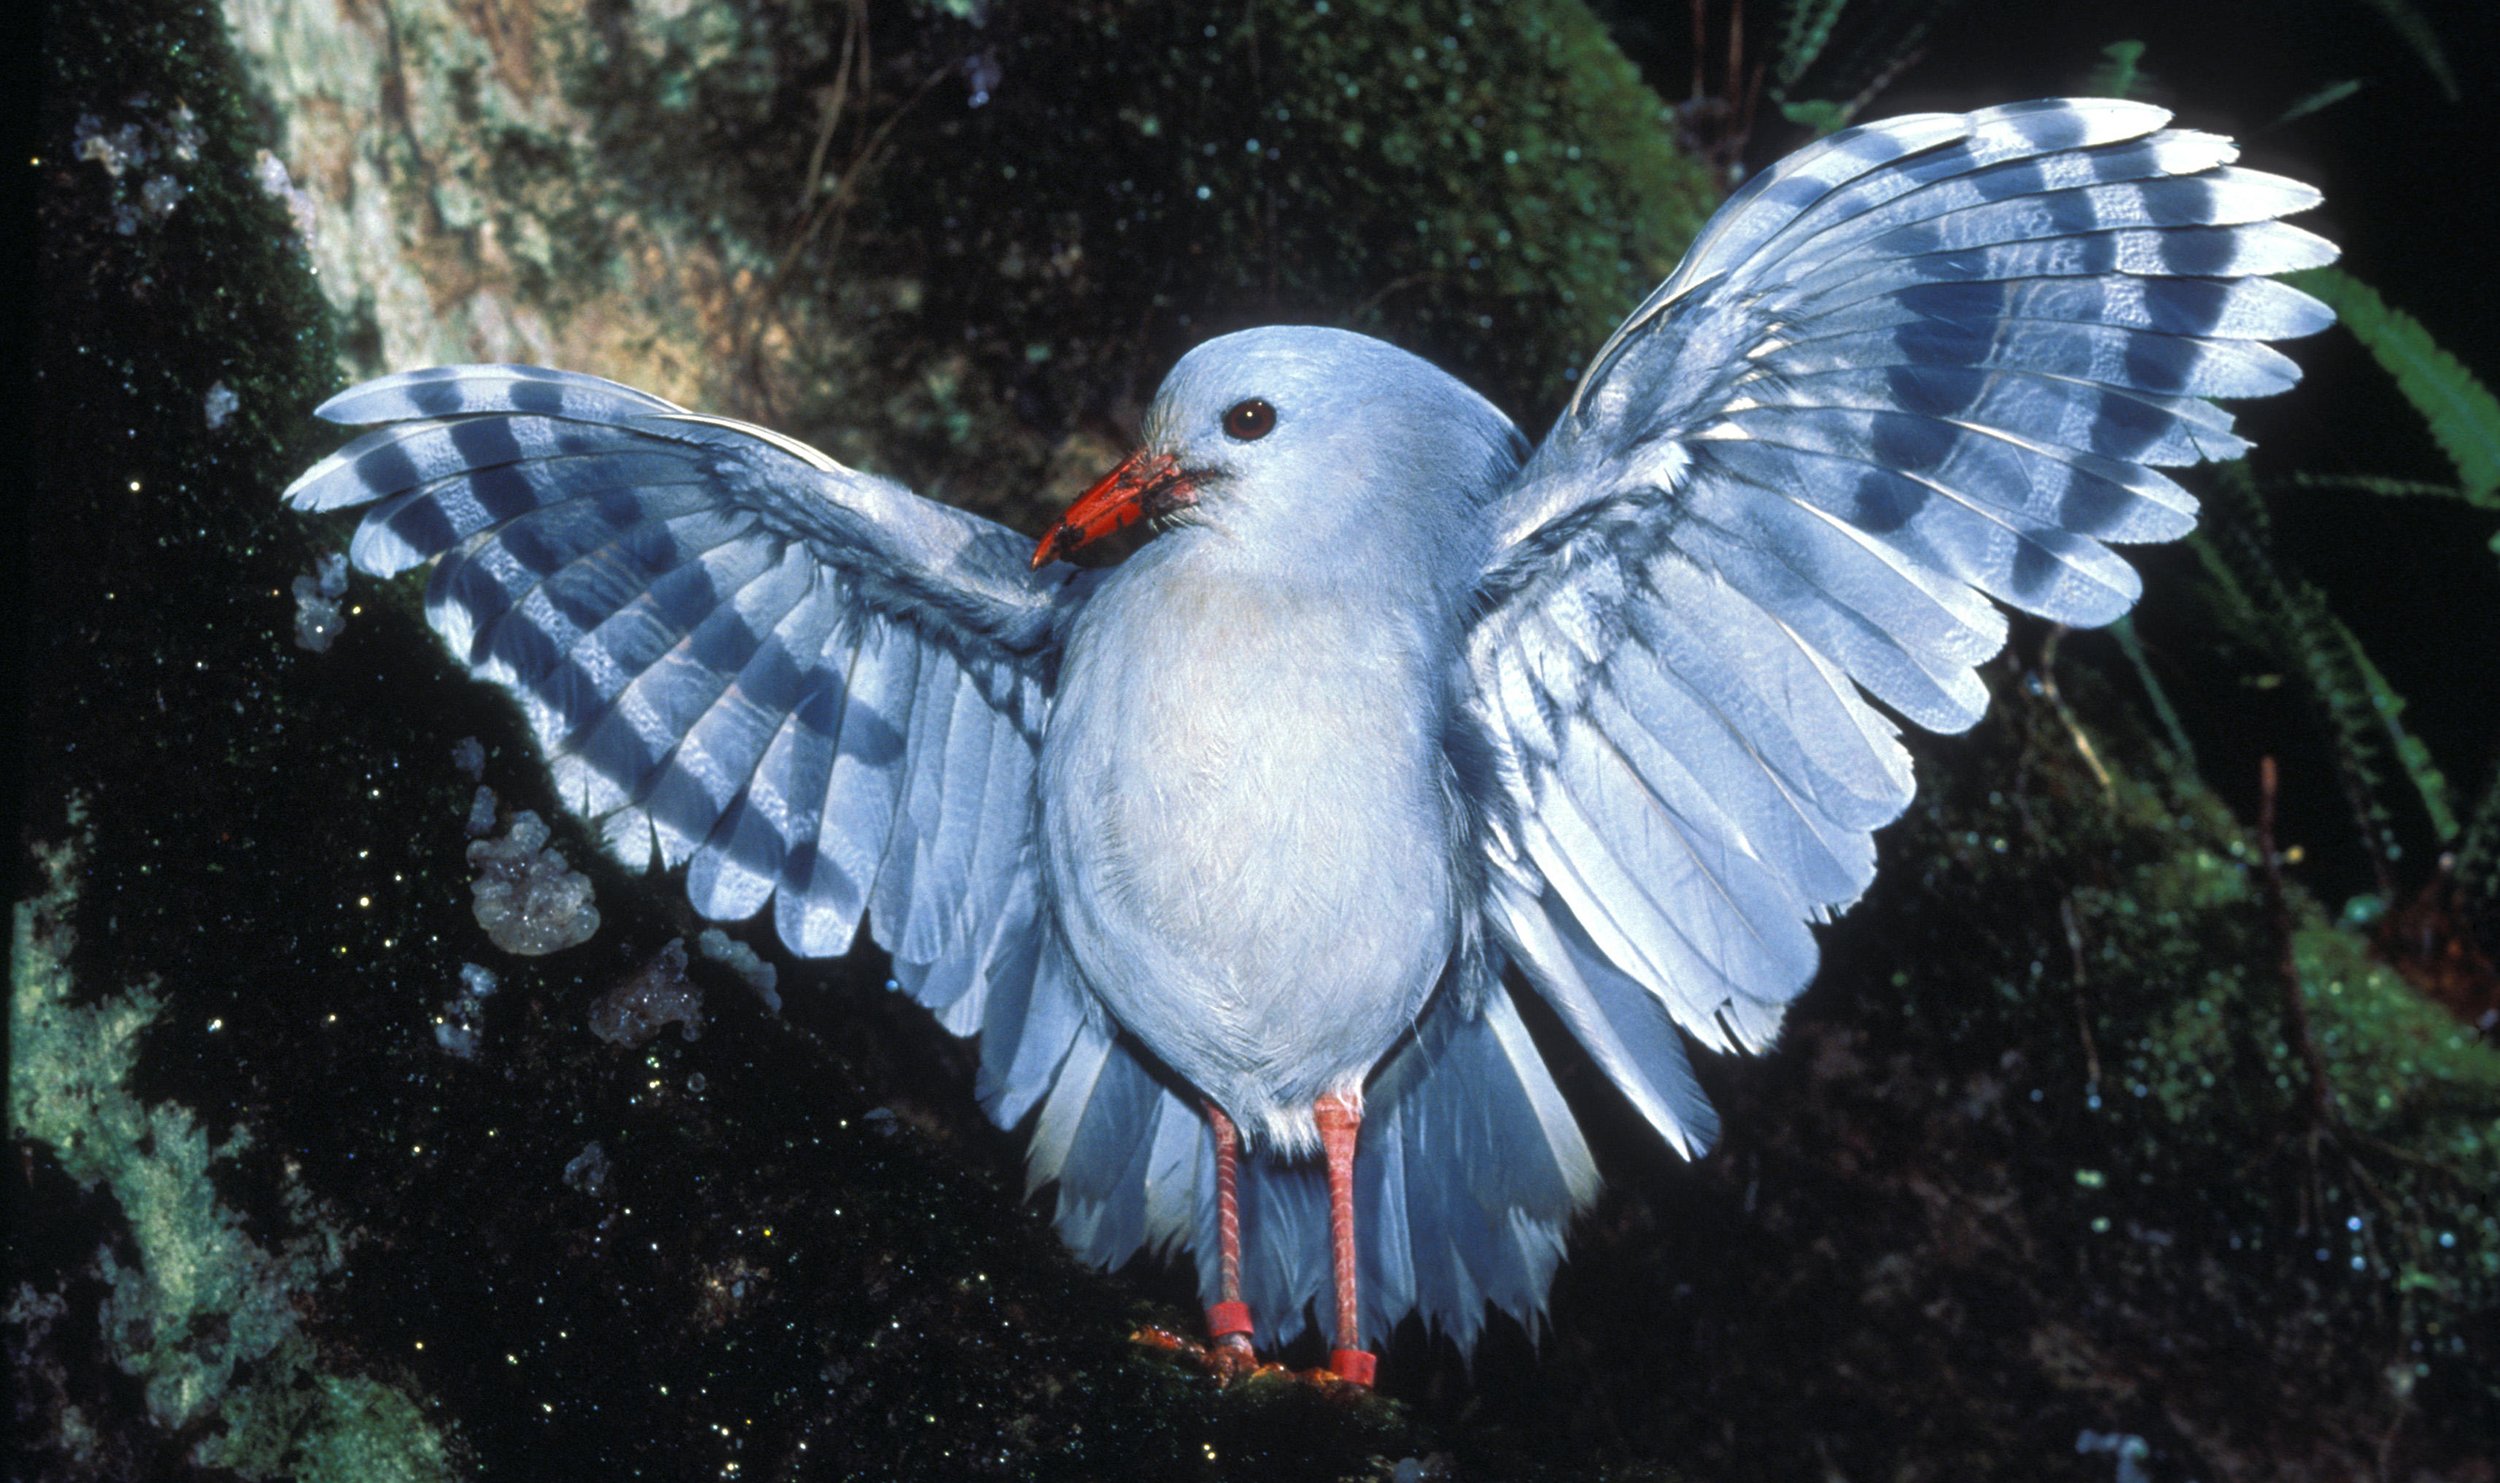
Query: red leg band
column 1227, row 1319
column 1353, row 1366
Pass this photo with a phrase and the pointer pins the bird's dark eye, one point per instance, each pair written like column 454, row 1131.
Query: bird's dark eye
column 1250, row 420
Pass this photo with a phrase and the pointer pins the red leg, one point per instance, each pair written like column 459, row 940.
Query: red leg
column 1340, row 1118
column 1228, row 1321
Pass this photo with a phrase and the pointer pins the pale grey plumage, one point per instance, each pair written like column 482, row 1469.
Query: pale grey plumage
column 1268, row 810
column 1222, row 687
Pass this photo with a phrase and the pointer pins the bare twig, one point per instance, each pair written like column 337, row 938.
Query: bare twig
column 833, row 209
column 2083, row 1019
column 835, row 98
column 1701, row 43
column 2065, row 713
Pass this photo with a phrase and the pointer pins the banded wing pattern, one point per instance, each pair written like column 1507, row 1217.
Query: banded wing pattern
column 812, row 688
column 1917, row 366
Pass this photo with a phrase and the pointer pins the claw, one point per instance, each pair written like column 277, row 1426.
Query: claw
column 1231, row 1358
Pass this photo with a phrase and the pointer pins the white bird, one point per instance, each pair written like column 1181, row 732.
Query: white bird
column 1241, row 851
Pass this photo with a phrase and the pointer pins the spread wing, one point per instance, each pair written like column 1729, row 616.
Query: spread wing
column 1917, row 366
column 807, row 684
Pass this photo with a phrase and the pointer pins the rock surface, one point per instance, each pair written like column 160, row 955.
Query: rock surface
column 2040, row 1159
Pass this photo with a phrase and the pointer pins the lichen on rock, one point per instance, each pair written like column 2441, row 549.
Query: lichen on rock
column 653, row 997
column 745, row 962
column 320, row 602
column 527, row 896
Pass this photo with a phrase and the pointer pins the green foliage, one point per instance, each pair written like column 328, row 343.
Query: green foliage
column 2417, row 33
column 1805, row 29
column 1882, row 39
column 2374, row 484
column 193, row 1307
column 1845, row 66
column 2462, row 413
column 2117, row 75
column 2478, row 850
column 1821, row 115
column 1488, row 186
column 2174, row 730
column 2279, row 610
column 2070, row 983
column 2210, row 1047
column 1071, row 253
column 206, row 1318
column 2317, row 100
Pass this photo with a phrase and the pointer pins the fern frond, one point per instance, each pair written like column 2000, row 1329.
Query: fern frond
column 2131, row 644
column 2315, row 102
column 2118, row 73
column 2416, row 30
column 1805, row 30
column 1821, row 115
column 2375, row 484
column 1883, row 38
column 2477, row 871
column 2464, row 416
column 2389, row 707
column 2283, row 611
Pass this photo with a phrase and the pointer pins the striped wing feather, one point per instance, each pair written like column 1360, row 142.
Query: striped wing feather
column 1918, row 366
column 815, row 691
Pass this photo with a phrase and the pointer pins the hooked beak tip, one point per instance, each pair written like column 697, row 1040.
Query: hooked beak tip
column 1143, row 486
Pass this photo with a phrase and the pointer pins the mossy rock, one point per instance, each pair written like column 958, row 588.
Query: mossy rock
column 810, row 1258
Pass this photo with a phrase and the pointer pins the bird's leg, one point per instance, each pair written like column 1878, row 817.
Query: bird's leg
column 1228, row 1321
column 1340, row 1118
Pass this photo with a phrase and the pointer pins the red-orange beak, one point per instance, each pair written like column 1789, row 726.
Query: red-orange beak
column 1143, row 486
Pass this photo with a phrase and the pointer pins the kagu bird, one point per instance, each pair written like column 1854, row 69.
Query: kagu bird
column 1226, row 853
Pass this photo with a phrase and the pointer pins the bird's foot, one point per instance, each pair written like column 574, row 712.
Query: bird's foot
column 1227, row 1359
column 1231, row 1358
column 1348, row 1372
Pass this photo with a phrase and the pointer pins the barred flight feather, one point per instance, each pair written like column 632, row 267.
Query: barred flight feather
column 721, row 640
column 1918, row 365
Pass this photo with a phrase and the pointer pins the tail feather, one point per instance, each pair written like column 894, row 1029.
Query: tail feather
column 1027, row 1031
column 1468, row 1169
column 1490, row 1170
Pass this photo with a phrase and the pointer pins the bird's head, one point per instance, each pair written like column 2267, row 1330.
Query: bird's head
column 1285, row 432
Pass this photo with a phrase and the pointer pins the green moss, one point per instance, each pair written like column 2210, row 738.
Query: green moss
column 68, row 1092
column 2138, row 912
column 2415, row 1095
column 341, row 1429
column 206, row 1318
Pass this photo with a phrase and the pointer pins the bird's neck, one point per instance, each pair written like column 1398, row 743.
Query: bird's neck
column 1414, row 568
